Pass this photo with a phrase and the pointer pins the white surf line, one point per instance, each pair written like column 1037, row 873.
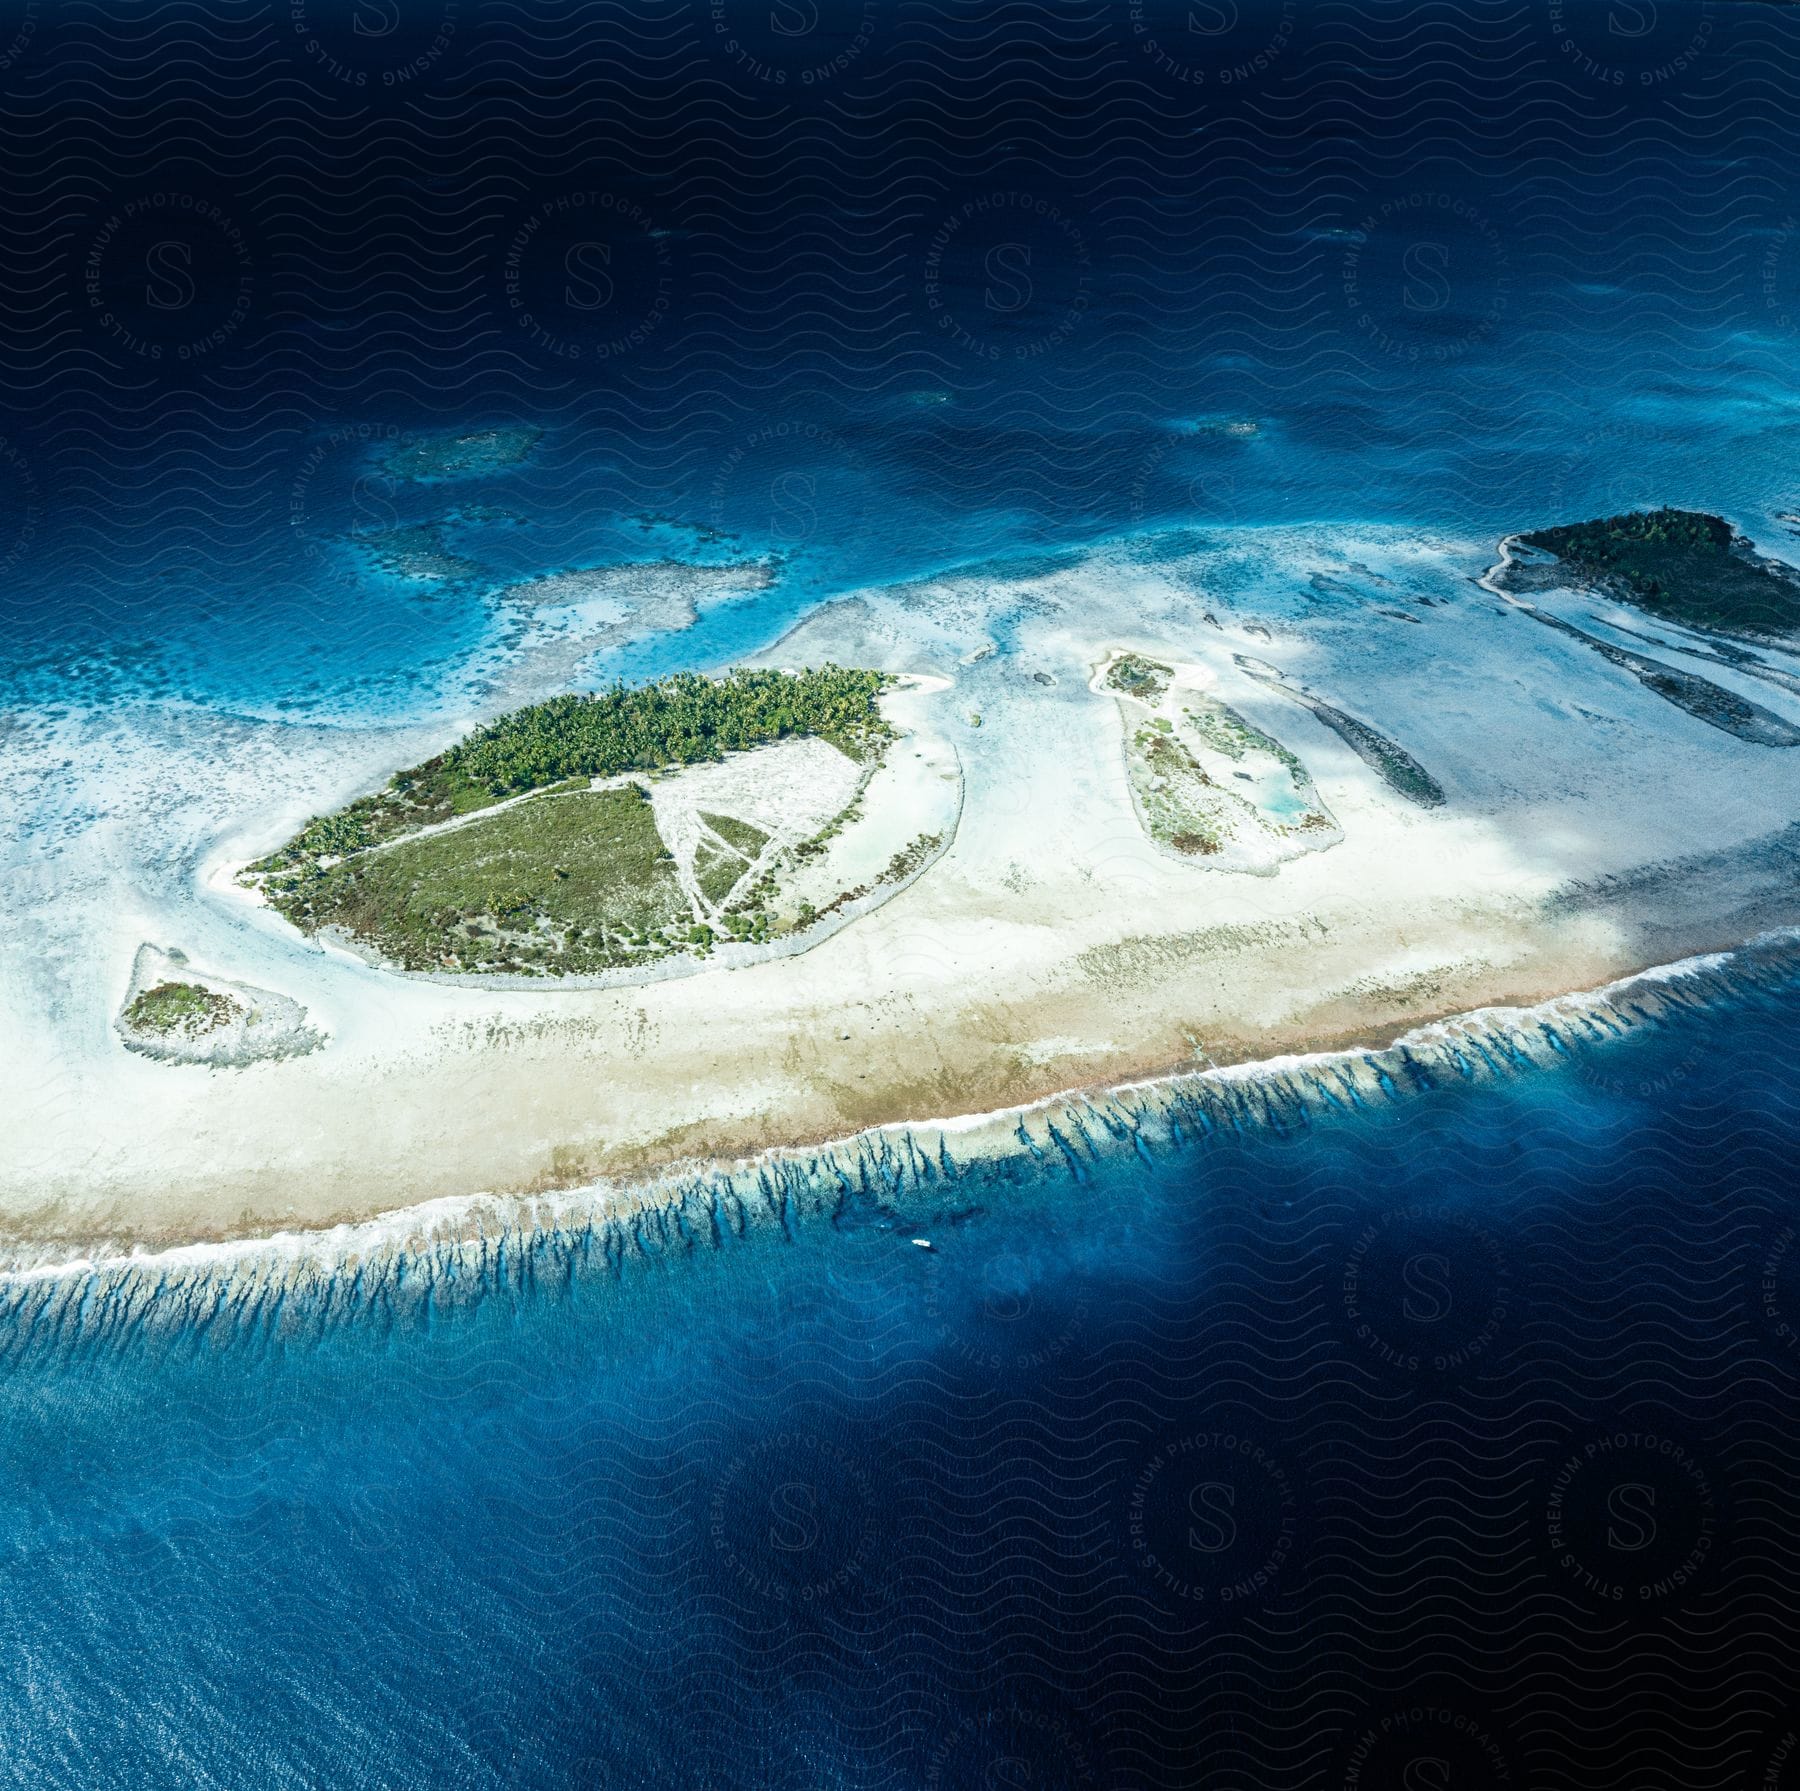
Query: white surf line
column 450, row 1217
column 1289, row 1063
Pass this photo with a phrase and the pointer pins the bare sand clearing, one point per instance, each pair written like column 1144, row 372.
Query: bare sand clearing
column 1590, row 828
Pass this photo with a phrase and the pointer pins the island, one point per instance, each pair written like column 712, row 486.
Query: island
column 1254, row 820
column 1186, row 754
column 1685, row 569
column 174, row 1013
column 591, row 835
column 179, row 1010
column 1683, row 566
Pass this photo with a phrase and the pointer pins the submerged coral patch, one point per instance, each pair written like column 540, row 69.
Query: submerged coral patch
column 1397, row 768
column 460, row 453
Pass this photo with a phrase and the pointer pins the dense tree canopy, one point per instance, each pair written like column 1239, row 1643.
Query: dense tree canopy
column 678, row 720
column 1683, row 565
column 1611, row 539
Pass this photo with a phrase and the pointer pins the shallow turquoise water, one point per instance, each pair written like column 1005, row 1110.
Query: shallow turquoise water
column 1448, row 1440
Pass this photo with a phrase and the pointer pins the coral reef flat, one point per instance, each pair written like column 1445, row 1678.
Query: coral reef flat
column 1049, row 939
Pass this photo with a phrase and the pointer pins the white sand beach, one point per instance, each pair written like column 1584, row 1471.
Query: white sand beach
column 1589, row 828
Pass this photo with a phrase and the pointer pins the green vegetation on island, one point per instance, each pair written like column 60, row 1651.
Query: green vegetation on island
column 679, row 720
column 1174, row 793
column 1207, row 783
column 551, row 881
column 1683, row 565
column 1134, row 676
column 748, row 838
column 1227, row 732
column 184, row 1009
column 725, row 854
column 170, row 1016
column 538, row 872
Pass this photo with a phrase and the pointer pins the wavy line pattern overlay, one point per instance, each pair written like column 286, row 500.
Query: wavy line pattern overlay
column 1402, row 1420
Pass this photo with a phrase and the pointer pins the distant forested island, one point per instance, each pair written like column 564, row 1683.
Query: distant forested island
column 1685, row 565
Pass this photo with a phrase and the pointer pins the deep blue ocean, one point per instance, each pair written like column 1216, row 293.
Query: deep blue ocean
column 1446, row 1442
column 1449, row 1441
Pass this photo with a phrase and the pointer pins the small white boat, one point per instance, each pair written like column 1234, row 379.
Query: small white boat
column 923, row 1243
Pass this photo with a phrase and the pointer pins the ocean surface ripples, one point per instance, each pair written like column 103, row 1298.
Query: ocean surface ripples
column 1447, row 1430
column 1412, row 1420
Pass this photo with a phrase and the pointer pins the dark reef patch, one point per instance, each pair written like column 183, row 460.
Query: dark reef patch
column 1396, row 767
column 1700, row 697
